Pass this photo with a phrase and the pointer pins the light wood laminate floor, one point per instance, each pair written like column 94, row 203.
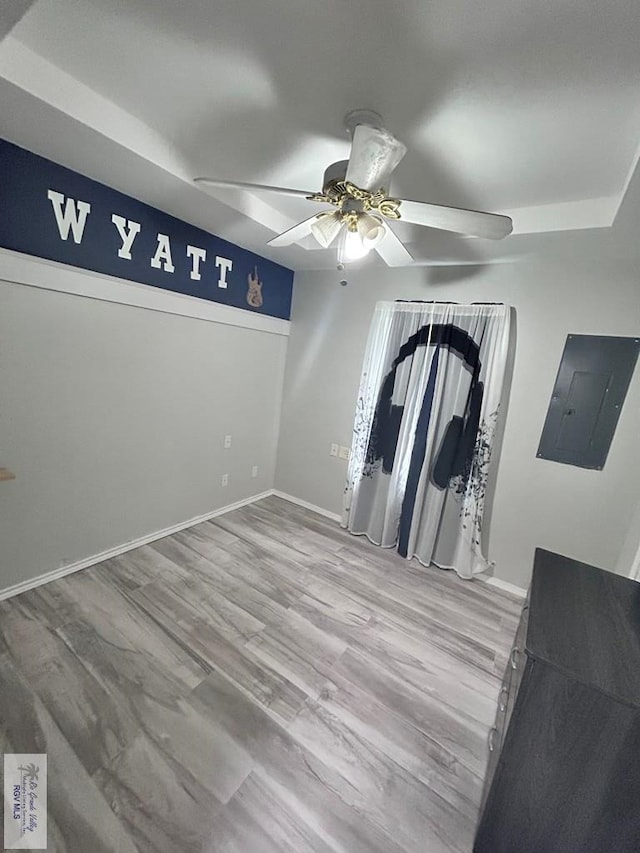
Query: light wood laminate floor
column 262, row 682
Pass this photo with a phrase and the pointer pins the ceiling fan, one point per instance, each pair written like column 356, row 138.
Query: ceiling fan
column 357, row 189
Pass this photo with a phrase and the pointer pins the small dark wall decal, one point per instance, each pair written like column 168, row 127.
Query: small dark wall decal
column 591, row 385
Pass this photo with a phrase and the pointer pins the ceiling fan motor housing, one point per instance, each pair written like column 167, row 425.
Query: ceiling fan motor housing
column 334, row 173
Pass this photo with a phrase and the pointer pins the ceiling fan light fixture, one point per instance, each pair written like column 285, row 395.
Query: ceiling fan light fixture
column 326, row 228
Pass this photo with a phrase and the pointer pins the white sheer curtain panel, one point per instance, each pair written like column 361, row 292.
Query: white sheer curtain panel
column 424, row 430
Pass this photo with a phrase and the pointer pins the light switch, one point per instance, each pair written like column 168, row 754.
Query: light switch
column 254, row 471
column 225, row 479
column 334, row 450
column 227, row 441
column 344, row 452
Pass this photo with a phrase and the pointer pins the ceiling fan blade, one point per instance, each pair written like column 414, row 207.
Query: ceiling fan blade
column 241, row 185
column 375, row 153
column 292, row 235
column 392, row 251
column 473, row 223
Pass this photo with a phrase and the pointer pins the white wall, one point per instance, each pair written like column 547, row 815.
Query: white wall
column 112, row 417
column 629, row 560
column 584, row 514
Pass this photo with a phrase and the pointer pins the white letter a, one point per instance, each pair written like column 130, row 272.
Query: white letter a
column 162, row 257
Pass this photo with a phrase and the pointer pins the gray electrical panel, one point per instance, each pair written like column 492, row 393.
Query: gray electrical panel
column 592, row 382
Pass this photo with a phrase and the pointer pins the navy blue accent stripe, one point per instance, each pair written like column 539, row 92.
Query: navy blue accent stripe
column 28, row 225
column 417, row 458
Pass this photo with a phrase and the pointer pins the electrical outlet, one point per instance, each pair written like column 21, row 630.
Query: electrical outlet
column 227, row 441
column 254, row 471
column 344, row 452
column 225, row 479
column 334, row 450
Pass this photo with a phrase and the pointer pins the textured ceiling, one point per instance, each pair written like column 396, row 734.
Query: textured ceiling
column 506, row 105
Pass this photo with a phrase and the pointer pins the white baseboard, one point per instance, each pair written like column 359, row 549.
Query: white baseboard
column 306, row 505
column 507, row 587
column 16, row 589
column 32, row 583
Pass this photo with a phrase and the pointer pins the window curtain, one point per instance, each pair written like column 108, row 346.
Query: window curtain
column 424, row 430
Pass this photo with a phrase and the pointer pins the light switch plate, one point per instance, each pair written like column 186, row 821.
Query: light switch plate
column 254, row 471
column 227, row 441
column 334, row 450
column 225, row 479
column 344, row 452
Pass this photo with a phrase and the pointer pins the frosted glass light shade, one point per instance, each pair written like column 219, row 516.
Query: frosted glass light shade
column 354, row 245
column 326, row 228
column 351, row 246
column 371, row 230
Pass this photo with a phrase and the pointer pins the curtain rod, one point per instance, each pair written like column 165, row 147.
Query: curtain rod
column 439, row 302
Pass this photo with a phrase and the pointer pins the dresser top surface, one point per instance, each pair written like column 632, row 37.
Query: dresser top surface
column 586, row 622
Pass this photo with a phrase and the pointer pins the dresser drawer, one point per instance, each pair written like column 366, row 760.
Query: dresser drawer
column 507, row 697
column 517, row 660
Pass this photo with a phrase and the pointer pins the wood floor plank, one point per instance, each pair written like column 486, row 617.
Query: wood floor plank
column 333, row 611
column 275, row 519
column 256, row 819
column 141, row 566
column 277, row 574
column 305, row 782
column 390, row 797
column 393, row 732
column 428, row 667
column 92, row 720
column 299, row 651
column 109, row 626
column 294, row 548
column 258, row 683
column 237, row 584
column 189, row 601
column 163, row 807
column 265, row 685
column 454, row 728
column 50, row 603
column 79, row 817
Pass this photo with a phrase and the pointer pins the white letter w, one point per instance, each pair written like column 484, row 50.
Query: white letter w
column 71, row 218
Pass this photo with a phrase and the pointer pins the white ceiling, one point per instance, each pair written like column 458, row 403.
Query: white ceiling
column 530, row 108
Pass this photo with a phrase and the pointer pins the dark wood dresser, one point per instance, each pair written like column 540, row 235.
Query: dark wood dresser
column 564, row 762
